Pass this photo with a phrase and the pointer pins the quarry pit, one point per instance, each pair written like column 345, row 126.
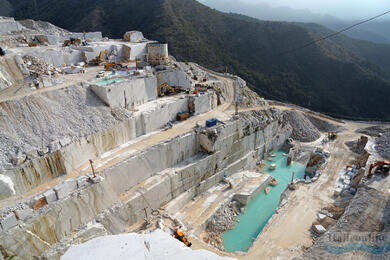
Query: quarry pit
column 161, row 144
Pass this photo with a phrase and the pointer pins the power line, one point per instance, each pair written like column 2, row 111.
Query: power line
column 337, row 116
column 331, row 35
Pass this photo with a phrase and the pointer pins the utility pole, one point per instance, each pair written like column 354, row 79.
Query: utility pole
column 93, row 170
column 235, row 96
column 146, row 213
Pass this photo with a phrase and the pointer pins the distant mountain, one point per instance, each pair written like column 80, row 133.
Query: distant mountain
column 378, row 54
column 5, row 8
column 375, row 31
column 326, row 77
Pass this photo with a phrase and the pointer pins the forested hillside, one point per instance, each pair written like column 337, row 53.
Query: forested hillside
column 326, row 76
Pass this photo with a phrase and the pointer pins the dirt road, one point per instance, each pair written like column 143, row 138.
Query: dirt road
column 288, row 231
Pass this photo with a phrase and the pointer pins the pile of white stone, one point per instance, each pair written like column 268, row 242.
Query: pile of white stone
column 344, row 180
column 40, row 67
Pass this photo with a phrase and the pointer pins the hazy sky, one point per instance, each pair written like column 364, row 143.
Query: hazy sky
column 347, row 9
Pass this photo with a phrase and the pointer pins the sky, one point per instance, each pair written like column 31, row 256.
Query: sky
column 345, row 9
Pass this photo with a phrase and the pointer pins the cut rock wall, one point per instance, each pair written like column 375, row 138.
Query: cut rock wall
column 67, row 154
column 174, row 78
column 128, row 93
column 8, row 24
column 148, row 179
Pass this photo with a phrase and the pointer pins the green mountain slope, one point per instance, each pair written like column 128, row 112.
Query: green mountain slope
column 325, row 77
column 378, row 54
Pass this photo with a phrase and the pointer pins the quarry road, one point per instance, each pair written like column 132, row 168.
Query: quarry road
column 18, row 92
column 222, row 112
column 289, row 231
column 280, row 239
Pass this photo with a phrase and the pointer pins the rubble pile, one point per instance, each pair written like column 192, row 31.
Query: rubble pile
column 42, row 27
column 322, row 125
column 38, row 66
column 366, row 213
column 223, row 220
column 317, row 159
column 383, row 145
column 358, row 145
column 303, row 129
column 85, row 115
column 373, row 131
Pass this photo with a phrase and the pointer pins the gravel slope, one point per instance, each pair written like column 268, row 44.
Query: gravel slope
column 303, row 129
column 33, row 122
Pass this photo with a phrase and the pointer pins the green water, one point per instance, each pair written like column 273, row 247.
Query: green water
column 108, row 81
column 262, row 207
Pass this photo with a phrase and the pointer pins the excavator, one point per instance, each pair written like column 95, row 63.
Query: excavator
column 99, row 59
column 165, row 89
column 72, row 41
column 382, row 167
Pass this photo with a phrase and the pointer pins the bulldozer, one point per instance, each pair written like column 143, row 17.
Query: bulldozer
column 382, row 167
column 72, row 41
column 99, row 59
column 164, row 90
column 332, row 135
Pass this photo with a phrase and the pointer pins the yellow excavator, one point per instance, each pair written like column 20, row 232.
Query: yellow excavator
column 164, row 89
column 72, row 41
column 99, row 59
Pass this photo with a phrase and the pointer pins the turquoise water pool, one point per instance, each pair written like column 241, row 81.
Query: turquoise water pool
column 108, row 81
column 262, row 207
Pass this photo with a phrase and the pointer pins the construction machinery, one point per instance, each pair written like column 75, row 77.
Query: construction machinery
column 167, row 126
column 202, row 87
column 179, row 235
column 332, row 135
column 382, row 167
column 165, row 90
column 114, row 66
column 182, row 116
column 211, row 122
column 72, row 41
column 32, row 44
column 103, row 56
